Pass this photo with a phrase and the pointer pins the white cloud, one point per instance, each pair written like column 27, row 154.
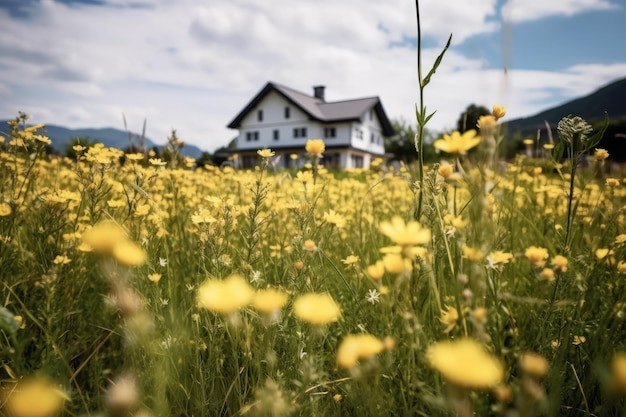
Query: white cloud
column 526, row 10
column 193, row 65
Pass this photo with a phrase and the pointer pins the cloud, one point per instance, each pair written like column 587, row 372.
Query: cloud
column 192, row 65
column 518, row 11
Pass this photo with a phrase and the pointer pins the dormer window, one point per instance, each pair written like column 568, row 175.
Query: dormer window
column 259, row 115
column 287, row 112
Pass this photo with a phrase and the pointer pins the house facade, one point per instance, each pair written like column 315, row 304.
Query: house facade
column 283, row 119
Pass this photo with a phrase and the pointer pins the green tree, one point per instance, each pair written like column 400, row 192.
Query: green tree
column 470, row 116
column 402, row 144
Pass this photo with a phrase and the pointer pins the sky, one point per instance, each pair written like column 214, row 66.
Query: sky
column 193, row 65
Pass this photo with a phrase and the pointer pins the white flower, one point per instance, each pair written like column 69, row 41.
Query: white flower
column 164, row 302
column 373, row 296
column 255, row 277
column 162, row 262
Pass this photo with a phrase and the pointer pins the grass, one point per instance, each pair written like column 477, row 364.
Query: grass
column 133, row 286
column 92, row 319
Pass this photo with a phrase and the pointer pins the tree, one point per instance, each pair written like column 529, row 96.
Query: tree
column 402, row 144
column 470, row 116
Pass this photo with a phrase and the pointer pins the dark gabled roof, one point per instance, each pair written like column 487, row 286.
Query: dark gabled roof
column 320, row 110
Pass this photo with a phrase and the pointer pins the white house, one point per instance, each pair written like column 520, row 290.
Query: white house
column 283, row 119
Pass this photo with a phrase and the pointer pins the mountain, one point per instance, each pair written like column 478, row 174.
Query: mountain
column 113, row 138
column 610, row 98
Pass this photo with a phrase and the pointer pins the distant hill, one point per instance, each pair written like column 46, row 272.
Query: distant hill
column 113, row 138
column 610, row 98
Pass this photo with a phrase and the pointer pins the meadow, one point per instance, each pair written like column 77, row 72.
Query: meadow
column 132, row 286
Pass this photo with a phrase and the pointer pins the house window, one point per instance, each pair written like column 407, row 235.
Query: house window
column 255, row 135
column 276, row 134
column 299, row 132
column 330, row 132
column 248, row 136
column 259, row 115
column 359, row 133
column 357, row 161
column 287, row 112
column 372, row 138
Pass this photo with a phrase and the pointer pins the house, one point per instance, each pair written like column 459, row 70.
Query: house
column 283, row 119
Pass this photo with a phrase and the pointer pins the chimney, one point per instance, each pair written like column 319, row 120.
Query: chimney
column 318, row 92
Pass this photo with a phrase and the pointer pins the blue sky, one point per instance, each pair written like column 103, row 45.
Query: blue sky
column 192, row 65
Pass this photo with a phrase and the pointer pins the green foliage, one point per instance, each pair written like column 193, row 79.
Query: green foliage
column 402, row 144
column 470, row 116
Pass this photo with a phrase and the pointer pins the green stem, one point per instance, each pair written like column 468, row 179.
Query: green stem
column 420, row 128
column 570, row 200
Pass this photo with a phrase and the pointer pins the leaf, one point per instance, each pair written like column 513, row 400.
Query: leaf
column 426, row 79
column 557, row 152
column 429, row 116
column 593, row 140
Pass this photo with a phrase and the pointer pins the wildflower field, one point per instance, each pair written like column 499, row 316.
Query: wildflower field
column 133, row 287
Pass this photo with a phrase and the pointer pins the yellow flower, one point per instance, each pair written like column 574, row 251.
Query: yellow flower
column 42, row 139
column 612, row 182
column 202, row 216
column 293, row 156
column 445, row 170
column 157, row 162
column 486, row 123
column 103, row 237
column 309, row 245
column 134, row 156
column 602, row 253
column 458, row 144
column 548, row 146
column 465, row 363
column 78, row 148
column 354, row 348
column 618, row 372
column 350, row 260
column 528, row 142
column 304, row 176
column 316, row 308
column 225, row 296
column 265, row 153
column 449, row 317
column 334, row 218
column 269, row 300
column 621, row 238
column 536, row 255
column 547, row 274
column 5, row 209
column 579, row 340
column 600, row 154
column 156, row 277
column 534, row 364
column 472, row 254
column 560, row 263
column 35, row 398
column 498, row 112
column 315, row 146
column 395, row 264
column 61, row 260
column 621, row 267
column 408, row 234
column 129, row 253
column 499, row 257
column 377, row 270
